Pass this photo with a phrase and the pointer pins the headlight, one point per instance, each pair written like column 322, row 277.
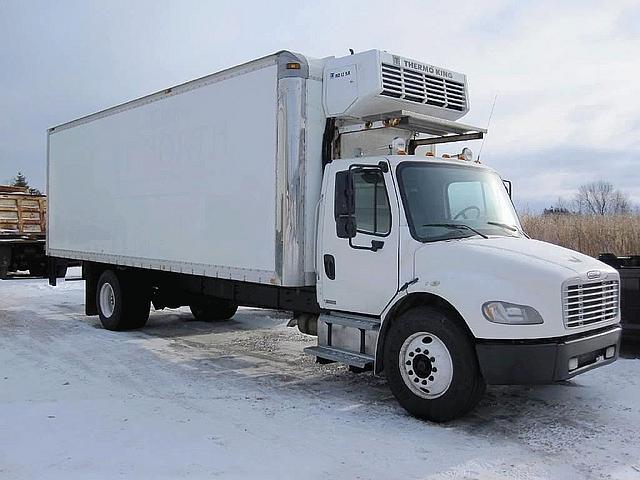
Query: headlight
column 510, row 313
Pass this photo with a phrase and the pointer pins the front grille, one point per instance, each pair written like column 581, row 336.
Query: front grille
column 589, row 303
column 420, row 87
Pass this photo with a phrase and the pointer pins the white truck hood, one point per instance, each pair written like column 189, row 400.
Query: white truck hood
column 537, row 250
column 468, row 272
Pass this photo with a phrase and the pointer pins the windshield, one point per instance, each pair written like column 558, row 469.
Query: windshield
column 444, row 202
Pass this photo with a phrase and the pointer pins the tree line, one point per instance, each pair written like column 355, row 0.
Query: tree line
column 594, row 198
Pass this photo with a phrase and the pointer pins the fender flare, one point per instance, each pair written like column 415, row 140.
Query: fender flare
column 402, row 305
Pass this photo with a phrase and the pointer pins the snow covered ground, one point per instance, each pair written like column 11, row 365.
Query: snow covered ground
column 186, row 399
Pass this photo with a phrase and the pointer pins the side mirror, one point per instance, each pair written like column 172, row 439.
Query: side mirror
column 345, row 205
column 507, row 186
column 346, row 227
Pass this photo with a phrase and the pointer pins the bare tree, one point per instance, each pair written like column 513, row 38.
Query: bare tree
column 601, row 198
column 563, row 205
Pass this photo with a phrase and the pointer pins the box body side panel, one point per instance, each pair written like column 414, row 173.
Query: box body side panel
column 185, row 183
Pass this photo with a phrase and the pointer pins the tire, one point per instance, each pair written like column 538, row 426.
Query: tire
column 214, row 310
column 123, row 303
column 37, row 271
column 5, row 260
column 457, row 385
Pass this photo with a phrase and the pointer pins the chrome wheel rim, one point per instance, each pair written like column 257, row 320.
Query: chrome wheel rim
column 107, row 300
column 426, row 365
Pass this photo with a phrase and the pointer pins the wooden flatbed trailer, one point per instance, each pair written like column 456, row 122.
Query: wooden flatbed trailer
column 23, row 227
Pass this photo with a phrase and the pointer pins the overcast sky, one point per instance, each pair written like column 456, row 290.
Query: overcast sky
column 566, row 74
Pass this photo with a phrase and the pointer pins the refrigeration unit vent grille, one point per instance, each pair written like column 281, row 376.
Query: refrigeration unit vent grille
column 419, row 87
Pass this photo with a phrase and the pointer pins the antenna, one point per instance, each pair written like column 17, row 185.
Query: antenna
column 488, row 123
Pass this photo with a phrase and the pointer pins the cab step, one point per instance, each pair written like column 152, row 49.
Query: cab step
column 333, row 354
column 355, row 321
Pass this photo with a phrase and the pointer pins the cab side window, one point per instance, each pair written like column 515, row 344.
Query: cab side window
column 373, row 213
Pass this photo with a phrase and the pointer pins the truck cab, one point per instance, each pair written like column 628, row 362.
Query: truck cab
column 430, row 253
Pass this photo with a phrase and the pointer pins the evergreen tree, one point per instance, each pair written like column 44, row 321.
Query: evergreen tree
column 21, row 181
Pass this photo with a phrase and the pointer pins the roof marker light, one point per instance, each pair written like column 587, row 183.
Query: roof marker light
column 466, row 154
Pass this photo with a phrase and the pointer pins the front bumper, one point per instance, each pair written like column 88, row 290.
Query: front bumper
column 514, row 362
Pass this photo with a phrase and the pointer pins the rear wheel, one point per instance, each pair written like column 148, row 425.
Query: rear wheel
column 123, row 301
column 431, row 365
column 214, row 310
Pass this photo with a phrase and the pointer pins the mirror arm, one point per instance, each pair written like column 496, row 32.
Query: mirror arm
column 507, row 186
column 375, row 245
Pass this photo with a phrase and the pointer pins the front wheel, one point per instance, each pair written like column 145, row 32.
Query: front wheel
column 431, row 365
column 123, row 303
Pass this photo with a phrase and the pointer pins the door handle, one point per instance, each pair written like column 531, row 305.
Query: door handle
column 329, row 266
column 376, row 245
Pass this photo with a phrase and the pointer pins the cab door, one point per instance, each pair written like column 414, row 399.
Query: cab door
column 358, row 240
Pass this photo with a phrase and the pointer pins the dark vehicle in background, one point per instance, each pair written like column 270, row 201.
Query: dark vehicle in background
column 629, row 269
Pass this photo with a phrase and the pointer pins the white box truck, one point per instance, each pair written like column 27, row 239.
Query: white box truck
column 311, row 185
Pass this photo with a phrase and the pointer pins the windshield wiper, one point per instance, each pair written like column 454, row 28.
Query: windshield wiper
column 512, row 228
column 457, row 226
column 503, row 225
